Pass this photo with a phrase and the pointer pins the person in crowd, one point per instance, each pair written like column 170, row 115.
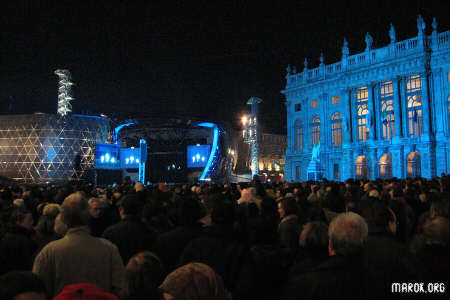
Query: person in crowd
column 130, row 235
column 387, row 259
column 289, row 228
column 59, row 227
column 171, row 244
column 17, row 247
column 343, row 274
column 45, row 232
column 433, row 255
column 22, row 285
column 195, row 281
column 143, row 275
column 313, row 248
column 79, row 257
column 98, row 220
column 218, row 245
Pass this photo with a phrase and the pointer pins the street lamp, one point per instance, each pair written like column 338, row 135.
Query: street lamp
column 250, row 133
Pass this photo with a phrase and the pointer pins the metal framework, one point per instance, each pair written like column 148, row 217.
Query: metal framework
column 64, row 92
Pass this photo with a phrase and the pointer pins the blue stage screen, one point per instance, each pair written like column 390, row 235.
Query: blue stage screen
column 129, row 158
column 106, row 156
column 197, row 156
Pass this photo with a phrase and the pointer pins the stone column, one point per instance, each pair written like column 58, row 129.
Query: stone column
column 426, row 118
column 397, row 107
column 404, row 106
column 347, row 116
column 348, row 164
column 441, row 157
column 372, row 163
column 371, row 125
column 398, row 161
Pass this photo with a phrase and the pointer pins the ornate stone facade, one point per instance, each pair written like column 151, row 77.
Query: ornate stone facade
column 381, row 113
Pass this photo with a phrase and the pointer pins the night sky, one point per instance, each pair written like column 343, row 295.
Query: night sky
column 184, row 58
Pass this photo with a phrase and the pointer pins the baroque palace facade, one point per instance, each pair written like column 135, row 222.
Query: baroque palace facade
column 378, row 114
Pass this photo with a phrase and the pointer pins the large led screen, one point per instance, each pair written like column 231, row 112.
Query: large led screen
column 197, row 156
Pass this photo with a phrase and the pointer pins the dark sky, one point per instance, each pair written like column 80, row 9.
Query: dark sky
column 195, row 58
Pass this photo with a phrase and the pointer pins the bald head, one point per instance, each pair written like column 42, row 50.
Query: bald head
column 74, row 210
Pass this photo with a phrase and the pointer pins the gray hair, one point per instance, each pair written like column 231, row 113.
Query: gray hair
column 348, row 233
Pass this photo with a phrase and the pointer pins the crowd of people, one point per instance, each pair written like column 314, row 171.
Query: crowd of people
column 356, row 239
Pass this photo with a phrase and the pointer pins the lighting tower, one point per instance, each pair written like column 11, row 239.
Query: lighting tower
column 250, row 133
column 64, row 92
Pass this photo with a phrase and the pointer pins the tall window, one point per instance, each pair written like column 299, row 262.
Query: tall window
column 448, row 111
column 315, row 126
column 298, row 135
column 387, row 109
column 297, row 173
column 314, row 103
column 413, row 94
column 362, row 109
column 336, row 129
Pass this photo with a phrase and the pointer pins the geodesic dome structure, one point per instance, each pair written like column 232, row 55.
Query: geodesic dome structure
column 46, row 147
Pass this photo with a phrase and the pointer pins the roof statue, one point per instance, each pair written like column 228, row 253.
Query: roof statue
column 420, row 25
column 288, row 69
column 392, row 33
column 369, row 41
column 345, row 51
column 434, row 24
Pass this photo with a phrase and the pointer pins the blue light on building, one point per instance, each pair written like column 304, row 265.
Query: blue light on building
column 213, row 149
column 380, row 113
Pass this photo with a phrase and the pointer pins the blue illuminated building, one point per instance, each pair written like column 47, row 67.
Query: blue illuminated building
column 380, row 113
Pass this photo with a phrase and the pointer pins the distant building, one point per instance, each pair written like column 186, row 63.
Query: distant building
column 271, row 156
column 380, row 113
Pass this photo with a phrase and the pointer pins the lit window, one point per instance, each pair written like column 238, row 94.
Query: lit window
column 315, row 126
column 413, row 93
column 336, row 129
column 298, row 135
column 414, row 83
column 387, row 110
column 314, row 103
column 335, row 99
column 362, row 97
column 448, row 76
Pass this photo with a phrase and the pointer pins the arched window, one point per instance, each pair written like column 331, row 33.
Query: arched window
column 361, row 167
column 386, row 166
column 336, row 129
column 298, row 135
column 362, row 109
column 415, row 115
column 413, row 164
column 315, row 126
column 413, row 93
column 387, row 110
